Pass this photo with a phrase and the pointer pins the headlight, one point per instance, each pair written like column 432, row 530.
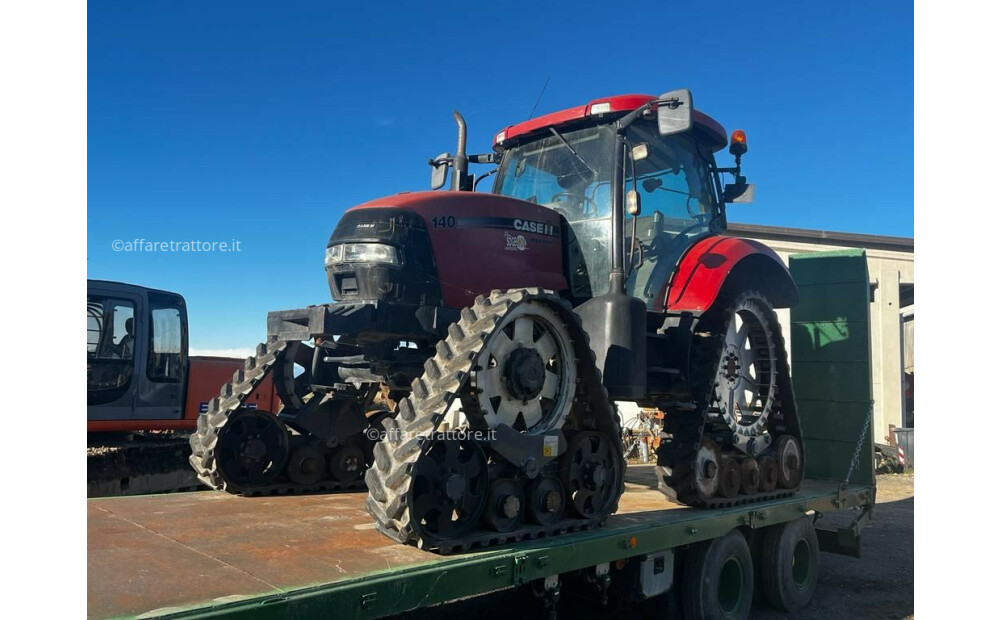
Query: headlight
column 362, row 253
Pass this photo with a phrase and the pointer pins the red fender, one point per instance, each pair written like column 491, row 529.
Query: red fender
column 707, row 264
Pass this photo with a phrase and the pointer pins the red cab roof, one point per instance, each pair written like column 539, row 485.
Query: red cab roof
column 712, row 130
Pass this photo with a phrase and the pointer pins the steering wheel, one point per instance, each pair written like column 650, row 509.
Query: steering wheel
column 587, row 201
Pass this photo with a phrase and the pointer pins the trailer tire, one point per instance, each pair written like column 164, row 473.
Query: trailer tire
column 789, row 563
column 718, row 579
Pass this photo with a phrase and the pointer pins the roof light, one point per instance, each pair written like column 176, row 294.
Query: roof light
column 500, row 137
column 601, row 108
column 738, row 143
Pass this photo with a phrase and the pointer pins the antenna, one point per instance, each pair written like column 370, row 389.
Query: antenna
column 539, row 98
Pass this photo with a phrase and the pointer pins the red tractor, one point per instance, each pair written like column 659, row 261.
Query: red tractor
column 485, row 337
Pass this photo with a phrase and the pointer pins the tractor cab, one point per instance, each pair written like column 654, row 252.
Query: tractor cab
column 658, row 151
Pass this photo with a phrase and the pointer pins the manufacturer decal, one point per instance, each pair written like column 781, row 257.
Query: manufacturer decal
column 514, row 242
column 540, row 228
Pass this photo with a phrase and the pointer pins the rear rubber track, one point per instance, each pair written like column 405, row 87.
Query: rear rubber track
column 222, row 408
column 683, row 430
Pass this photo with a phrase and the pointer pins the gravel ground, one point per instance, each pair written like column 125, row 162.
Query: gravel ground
column 877, row 586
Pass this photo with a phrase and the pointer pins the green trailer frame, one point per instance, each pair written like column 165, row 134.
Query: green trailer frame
column 211, row 555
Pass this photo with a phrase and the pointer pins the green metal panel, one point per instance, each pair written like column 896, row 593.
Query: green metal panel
column 831, row 362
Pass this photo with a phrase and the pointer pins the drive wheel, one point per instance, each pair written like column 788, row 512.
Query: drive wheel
column 252, row 448
column 546, row 500
column 788, row 453
column 746, row 381
column 768, row 474
column 505, row 506
column 306, row 466
column 592, row 473
column 708, row 466
column 749, row 476
column 527, row 375
column 718, row 579
column 729, row 478
column 449, row 488
column 347, row 463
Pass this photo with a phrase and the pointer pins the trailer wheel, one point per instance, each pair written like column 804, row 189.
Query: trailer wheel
column 789, row 563
column 718, row 579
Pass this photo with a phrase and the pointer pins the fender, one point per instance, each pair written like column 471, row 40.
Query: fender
column 707, row 266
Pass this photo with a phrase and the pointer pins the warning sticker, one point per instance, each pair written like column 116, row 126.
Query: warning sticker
column 550, row 445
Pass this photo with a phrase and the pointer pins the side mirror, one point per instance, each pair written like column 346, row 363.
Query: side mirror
column 673, row 112
column 740, row 192
column 439, row 170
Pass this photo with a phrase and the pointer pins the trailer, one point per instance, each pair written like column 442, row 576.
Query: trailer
column 213, row 555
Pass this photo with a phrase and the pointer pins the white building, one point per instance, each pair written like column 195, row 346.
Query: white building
column 890, row 270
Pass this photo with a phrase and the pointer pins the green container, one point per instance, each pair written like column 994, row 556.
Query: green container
column 831, row 363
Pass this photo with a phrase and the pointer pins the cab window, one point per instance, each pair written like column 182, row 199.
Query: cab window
column 674, row 184
column 110, row 343
column 166, row 340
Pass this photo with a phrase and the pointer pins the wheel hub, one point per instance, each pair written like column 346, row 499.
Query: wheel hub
column 511, row 506
column 455, row 487
column 524, row 373
column 255, row 449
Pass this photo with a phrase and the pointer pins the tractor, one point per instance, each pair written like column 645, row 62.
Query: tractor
column 482, row 339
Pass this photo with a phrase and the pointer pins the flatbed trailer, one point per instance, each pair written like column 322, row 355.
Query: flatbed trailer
column 213, row 555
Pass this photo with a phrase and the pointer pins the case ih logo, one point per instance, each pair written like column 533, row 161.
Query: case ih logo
column 515, row 243
column 540, row 228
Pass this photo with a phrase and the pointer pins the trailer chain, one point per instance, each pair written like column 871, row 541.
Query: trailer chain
column 221, row 410
column 861, row 440
column 446, row 375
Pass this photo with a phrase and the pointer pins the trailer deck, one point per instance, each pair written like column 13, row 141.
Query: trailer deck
column 210, row 554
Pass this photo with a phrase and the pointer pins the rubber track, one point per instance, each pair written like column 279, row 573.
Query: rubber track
column 683, row 430
column 221, row 409
column 445, row 375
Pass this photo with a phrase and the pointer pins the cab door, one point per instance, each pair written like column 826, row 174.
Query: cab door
column 161, row 387
column 113, row 358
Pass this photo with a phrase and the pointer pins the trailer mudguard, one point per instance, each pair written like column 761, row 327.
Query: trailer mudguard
column 713, row 262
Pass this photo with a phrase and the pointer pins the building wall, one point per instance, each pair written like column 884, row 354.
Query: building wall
column 887, row 269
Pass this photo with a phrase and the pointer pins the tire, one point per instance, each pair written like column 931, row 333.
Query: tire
column 718, row 579
column 789, row 564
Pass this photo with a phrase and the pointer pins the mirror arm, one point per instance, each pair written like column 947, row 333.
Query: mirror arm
column 631, row 117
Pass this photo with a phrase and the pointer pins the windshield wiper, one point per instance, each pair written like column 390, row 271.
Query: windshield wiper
column 572, row 150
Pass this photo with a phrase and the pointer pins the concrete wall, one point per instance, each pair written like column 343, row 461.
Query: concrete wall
column 887, row 270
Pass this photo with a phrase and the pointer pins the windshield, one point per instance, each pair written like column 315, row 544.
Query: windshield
column 570, row 173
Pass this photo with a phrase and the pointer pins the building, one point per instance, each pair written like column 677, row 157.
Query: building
column 890, row 270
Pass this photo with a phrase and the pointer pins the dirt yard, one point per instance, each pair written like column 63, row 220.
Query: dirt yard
column 879, row 586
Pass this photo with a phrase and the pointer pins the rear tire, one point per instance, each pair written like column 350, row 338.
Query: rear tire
column 718, row 579
column 789, row 563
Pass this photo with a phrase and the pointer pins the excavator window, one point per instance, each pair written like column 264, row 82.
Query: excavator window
column 166, row 346
column 110, row 339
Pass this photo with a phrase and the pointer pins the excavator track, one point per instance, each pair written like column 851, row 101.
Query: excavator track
column 686, row 433
column 446, row 378
column 227, row 406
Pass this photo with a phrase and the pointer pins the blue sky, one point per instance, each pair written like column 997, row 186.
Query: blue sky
column 264, row 121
